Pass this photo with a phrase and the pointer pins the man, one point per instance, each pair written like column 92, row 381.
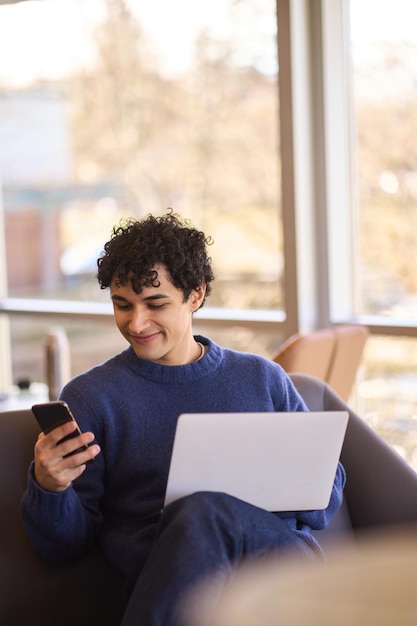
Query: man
column 159, row 274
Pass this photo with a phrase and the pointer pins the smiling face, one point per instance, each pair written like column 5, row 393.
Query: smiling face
column 158, row 322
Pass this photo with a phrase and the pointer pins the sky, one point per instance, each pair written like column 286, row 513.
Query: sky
column 383, row 19
column 375, row 21
column 25, row 50
column 46, row 51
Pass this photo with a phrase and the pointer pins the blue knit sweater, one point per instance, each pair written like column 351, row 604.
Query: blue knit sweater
column 132, row 406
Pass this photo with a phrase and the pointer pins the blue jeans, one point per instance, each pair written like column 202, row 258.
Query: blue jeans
column 198, row 536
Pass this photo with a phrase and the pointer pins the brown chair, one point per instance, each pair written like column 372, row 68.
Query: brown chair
column 332, row 355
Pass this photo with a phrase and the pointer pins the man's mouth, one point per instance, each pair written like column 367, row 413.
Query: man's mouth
column 144, row 339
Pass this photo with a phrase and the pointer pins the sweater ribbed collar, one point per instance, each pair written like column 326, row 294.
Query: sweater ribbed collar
column 177, row 374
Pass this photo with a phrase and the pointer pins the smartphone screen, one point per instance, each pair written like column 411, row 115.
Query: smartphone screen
column 50, row 415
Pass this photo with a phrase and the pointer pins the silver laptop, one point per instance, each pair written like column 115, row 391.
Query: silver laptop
column 276, row 461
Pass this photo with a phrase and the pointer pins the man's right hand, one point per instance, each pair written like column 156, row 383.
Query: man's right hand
column 55, row 473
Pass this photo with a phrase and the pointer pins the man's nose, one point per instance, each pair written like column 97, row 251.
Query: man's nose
column 139, row 321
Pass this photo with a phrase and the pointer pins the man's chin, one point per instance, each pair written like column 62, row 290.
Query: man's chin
column 148, row 352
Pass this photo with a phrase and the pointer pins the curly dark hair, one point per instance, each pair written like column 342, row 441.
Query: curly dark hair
column 136, row 247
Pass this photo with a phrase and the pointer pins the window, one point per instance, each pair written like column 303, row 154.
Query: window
column 127, row 121
column 113, row 113
column 384, row 72
column 384, row 51
column 111, row 116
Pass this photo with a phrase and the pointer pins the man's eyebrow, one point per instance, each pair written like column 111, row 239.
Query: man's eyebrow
column 120, row 298
column 156, row 296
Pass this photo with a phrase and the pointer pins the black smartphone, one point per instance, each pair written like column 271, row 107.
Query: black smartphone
column 50, row 415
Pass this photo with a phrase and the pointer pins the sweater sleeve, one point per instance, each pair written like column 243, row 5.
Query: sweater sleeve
column 58, row 525
column 63, row 526
column 316, row 520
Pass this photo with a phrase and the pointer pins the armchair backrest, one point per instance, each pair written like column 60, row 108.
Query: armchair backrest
column 18, row 433
column 381, row 488
column 330, row 354
column 34, row 592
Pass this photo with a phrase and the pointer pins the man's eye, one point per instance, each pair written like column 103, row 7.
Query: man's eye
column 153, row 307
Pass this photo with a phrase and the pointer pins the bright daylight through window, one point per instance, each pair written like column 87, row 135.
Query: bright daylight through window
column 115, row 113
column 117, row 108
column 384, row 52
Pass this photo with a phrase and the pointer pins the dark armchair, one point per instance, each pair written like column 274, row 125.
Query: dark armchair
column 87, row 593
column 381, row 491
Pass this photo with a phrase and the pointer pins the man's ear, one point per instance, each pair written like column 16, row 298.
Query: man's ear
column 197, row 297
